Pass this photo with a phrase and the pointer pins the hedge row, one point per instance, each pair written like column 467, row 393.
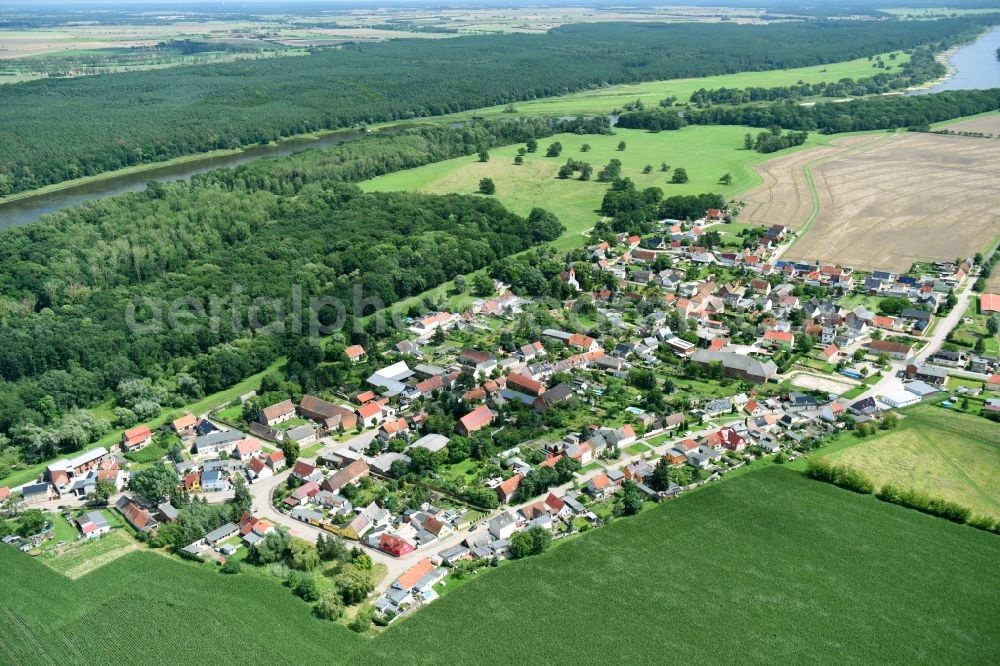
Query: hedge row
column 822, row 469
column 840, row 475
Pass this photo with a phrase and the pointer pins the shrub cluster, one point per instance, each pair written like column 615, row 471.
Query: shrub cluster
column 840, row 475
column 934, row 506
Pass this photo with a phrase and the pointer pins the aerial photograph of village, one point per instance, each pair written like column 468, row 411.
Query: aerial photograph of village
column 490, row 332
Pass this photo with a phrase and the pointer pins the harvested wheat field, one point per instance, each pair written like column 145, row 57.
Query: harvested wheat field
column 784, row 197
column 886, row 201
column 984, row 125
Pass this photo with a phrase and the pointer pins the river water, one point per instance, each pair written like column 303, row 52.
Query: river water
column 23, row 211
column 976, row 66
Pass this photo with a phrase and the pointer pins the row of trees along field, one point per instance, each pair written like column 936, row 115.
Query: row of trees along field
column 66, row 281
column 875, row 113
column 921, row 68
column 56, row 130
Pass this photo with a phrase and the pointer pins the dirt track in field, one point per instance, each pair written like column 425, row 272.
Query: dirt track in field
column 886, row 201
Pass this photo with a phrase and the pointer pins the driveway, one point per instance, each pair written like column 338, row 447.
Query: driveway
column 944, row 326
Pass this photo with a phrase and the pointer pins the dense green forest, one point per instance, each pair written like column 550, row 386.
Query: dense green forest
column 916, row 112
column 66, row 282
column 55, row 130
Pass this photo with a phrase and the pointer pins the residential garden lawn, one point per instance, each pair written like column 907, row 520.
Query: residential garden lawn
column 954, row 382
column 474, row 516
column 659, row 439
column 459, row 472
column 966, row 334
column 451, row 583
column 943, row 453
column 603, row 509
column 610, row 98
column 706, row 152
column 872, row 379
column 62, row 530
column 150, row 454
column 82, row 557
column 311, row 451
column 233, row 413
column 590, row 467
column 731, row 232
column 816, row 364
column 291, row 423
column 840, row 577
column 638, row 447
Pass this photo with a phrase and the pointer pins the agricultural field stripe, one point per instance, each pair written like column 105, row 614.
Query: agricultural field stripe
column 807, row 173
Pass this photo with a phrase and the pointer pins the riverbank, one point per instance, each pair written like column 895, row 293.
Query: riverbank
column 117, row 173
column 972, row 65
column 186, row 159
column 945, row 59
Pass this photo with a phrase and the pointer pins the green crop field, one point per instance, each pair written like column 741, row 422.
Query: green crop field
column 610, row 98
column 706, row 152
column 769, row 567
column 944, row 454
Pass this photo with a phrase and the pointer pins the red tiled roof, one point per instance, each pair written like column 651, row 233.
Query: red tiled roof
column 554, row 503
column 248, row 445
column 136, row 434
column 523, row 384
column 779, row 336
column 550, row 462
column 429, row 385
column 392, row 427
column 888, row 346
column 717, row 344
column 581, row 341
column 278, row 409
column 369, row 410
column 989, row 303
column 184, row 422
column 415, row 573
column 477, row 418
column 354, row 351
column 600, row 481
column 438, row 318
column 475, row 394
column 508, row 487
column 688, row 444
